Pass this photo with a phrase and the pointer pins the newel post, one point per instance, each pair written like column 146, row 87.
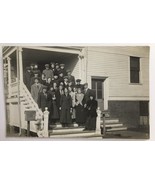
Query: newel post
column 98, row 121
column 46, row 119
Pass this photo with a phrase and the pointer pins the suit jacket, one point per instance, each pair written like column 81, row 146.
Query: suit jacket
column 35, row 90
column 42, row 101
column 87, row 95
column 65, row 102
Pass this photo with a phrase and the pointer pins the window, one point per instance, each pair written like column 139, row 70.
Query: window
column 97, row 87
column 134, row 69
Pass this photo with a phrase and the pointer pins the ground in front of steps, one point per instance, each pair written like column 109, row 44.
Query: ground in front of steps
column 119, row 135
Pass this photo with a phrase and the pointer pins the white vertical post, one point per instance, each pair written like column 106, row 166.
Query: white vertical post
column 98, row 121
column 9, row 76
column 20, row 68
column 83, row 66
column 46, row 118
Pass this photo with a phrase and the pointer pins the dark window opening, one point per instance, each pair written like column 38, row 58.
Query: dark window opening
column 97, row 87
column 134, row 69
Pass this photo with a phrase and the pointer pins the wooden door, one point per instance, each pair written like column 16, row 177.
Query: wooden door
column 98, row 88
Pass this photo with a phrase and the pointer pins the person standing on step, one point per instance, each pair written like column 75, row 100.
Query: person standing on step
column 43, row 79
column 48, row 72
column 34, row 77
column 36, row 70
column 62, row 69
column 80, row 117
column 65, row 81
column 42, row 99
column 78, row 84
column 32, row 69
column 91, row 113
column 66, row 109
column 57, row 68
column 72, row 94
column 27, row 78
column 70, row 77
column 87, row 93
column 36, row 88
column 53, row 109
column 61, row 77
column 58, row 95
column 52, row 67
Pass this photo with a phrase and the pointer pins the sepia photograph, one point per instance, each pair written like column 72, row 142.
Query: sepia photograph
column 76, row 92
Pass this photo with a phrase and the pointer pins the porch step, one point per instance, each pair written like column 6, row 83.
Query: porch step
column 68, row 130
column 114, row 125
column 78, row 135
column 116, row 129
column 107, row 121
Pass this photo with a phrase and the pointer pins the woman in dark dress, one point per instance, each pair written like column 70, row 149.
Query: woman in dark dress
column 66, row 109
column 91, row 113
column 52, row 107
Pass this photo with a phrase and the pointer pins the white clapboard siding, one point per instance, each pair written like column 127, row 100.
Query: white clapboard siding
column 73, row 65
column 115, row 66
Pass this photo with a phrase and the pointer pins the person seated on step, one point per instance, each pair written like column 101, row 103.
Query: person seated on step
column 42, row 99
column 91, row 113
column 36, row 88
column 70, row 77
column 48, row 72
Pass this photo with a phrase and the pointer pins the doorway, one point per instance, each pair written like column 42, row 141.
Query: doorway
column 98, row 88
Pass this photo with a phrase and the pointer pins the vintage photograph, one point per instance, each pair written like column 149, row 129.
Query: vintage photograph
column 86, row 92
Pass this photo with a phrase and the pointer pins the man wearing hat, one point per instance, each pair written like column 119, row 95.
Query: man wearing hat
column 56, row 79
column 70, row 77
column 48, row 72
column 32, row 81
column 61, row 77
column 42, row 98
column 78, row 84
column 57, row 68
column 27, row 78
column 62, row 69
column 36, row 70
column 65, row 81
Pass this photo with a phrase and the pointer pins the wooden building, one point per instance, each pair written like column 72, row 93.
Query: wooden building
column 119, row 76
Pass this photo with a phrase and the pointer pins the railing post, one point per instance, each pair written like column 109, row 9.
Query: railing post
column 98, row 121
column 46, row 119
column 9, row 76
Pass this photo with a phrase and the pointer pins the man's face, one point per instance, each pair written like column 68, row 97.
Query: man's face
column 47, row 67
column 44, row 90
column 62, row 67
column 85, row 86
column 36, row 66
column 31, row 67
column 61, row 74
column 52, row 65
column 36, row 81
column 55, row 77
column 57, row 67
column 69, row 73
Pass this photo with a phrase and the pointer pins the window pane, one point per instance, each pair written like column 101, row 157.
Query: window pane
column 134, row 76
column 99, row 94
column 93, row 84
column 99, row 85
column 134, row 63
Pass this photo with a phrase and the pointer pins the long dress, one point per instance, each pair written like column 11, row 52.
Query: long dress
column 66, row 105
column 91, row 115
column 80, row 109
column 42, row 101
column 53, row 109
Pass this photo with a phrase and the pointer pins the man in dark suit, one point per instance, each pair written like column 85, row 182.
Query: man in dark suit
column 42, row 98
column 87, row 93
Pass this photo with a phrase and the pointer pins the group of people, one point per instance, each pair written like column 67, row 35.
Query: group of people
column 68, row 100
